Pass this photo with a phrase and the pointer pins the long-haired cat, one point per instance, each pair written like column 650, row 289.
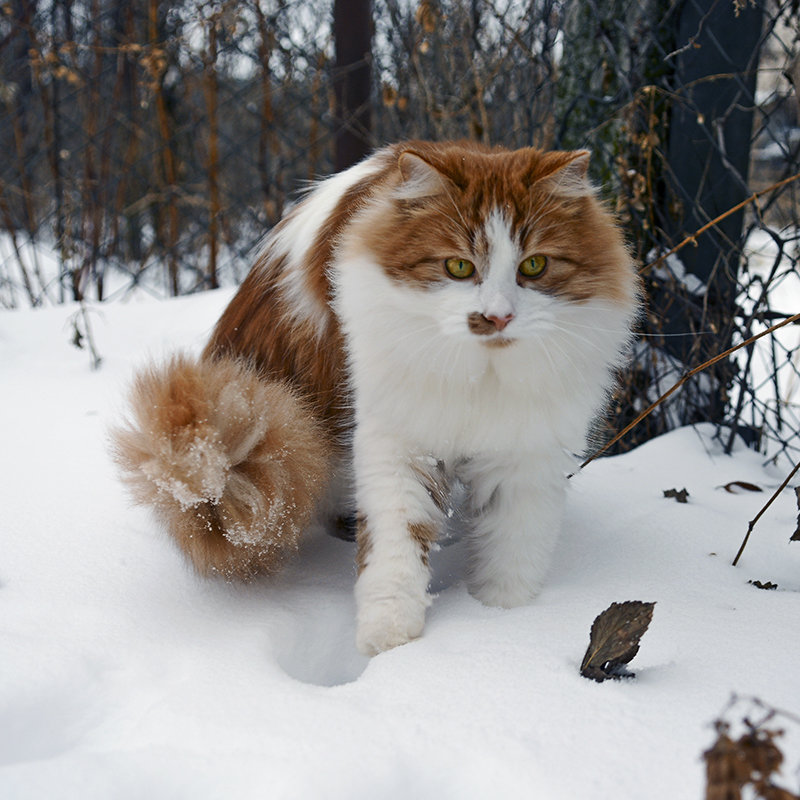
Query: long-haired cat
column 438, row 312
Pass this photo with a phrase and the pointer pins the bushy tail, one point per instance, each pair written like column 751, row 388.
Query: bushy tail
column 232, row 463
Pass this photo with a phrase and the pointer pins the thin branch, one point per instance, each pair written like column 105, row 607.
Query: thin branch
column 82, row 314
column 674, row 388
column 763, row 510
column 738, row 207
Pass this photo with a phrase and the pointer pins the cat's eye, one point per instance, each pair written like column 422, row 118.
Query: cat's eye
column 534, row 266
column 459, row 268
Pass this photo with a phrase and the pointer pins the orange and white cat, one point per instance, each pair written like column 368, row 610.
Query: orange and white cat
column 438, row 312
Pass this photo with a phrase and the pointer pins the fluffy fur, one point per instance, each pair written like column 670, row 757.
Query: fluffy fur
column 367, row 358
column 233, row 464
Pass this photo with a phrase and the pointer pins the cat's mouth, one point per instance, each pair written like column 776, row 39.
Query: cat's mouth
column 497, row 342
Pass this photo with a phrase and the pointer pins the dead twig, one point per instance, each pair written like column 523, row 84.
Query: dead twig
column 690, row 374
column 763, row 510
column 78, row 337
column 738, row 207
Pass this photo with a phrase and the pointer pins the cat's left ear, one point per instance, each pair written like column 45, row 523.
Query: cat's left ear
column 568, row 172
column 420, row 179
column 577, row 168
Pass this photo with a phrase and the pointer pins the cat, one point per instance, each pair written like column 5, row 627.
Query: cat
column 439, row 312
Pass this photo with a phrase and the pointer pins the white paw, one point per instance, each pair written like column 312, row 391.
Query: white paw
column 389, row 622
column 508, row 593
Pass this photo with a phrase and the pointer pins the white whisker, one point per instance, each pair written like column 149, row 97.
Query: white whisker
column 583, row 340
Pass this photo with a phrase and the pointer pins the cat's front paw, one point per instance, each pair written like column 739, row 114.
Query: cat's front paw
column 389, row 622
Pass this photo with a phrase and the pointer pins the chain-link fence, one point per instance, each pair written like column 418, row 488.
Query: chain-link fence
column 150, row 145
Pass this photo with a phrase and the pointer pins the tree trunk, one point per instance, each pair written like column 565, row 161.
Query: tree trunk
column 352, row 80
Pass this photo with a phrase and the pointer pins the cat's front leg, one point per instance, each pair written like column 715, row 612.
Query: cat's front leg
column 516, row 511
column 398, row 523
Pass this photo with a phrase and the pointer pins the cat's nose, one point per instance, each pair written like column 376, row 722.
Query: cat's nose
column 499, row 322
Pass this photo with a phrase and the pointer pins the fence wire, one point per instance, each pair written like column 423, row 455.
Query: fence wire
column 149, row 145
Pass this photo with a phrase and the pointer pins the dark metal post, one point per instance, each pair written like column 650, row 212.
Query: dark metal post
column 352, row 80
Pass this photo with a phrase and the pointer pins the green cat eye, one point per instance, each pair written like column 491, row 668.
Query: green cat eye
column 533, row 267
column 459, row 268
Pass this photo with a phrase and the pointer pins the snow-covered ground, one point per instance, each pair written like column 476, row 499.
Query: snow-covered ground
column 123, row 675
column 775, row 370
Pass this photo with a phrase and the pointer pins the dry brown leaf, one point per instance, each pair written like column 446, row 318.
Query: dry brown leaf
column 764, row 584
column 614, row 639
column 795, row 537
column 680, row 495
column 733, row 486
column 771, row 792
column 726, row 773
column 731, row 765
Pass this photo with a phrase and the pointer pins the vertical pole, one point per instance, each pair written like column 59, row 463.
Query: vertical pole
column 708, row 154
column 352, row 33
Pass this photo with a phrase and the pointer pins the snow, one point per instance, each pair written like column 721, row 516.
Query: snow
column 783, row 297
column 124, row 675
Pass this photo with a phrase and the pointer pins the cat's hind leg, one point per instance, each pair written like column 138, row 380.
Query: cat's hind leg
column 516, row 512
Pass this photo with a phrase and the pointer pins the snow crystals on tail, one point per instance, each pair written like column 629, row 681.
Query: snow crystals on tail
column 233, row 464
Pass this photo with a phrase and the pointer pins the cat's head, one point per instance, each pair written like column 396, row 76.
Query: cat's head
column 492, row 244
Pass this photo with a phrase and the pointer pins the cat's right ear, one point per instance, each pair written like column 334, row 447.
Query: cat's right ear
column 420, row 179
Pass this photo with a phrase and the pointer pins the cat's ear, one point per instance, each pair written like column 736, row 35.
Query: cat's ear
column 568, row 172
column 420, row 179
column 577, row 167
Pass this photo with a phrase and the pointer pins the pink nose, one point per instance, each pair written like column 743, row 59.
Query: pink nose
column 499, row 322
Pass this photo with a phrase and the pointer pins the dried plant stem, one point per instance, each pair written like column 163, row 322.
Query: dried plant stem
column 167, row 158
column 763, row 510
column 30, row 224
column 315, row 139
column 692, row 372
column 738, row 207
column 215, row 206
column 268, row 145
column 49, row 93
column 130, row 89
column 11, row 230
column 91, row 203
column 83, row 312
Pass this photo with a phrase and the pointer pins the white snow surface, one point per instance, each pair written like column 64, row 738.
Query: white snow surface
column 124, row 675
